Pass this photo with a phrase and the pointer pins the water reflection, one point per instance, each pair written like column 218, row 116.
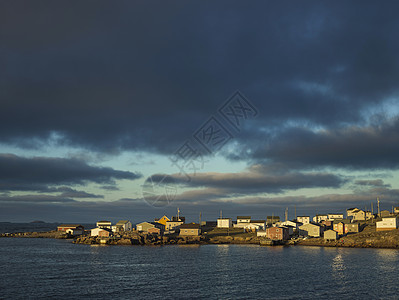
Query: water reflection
column 387, row 255
column 387, row 259
column 338, row 267
column 222, row 249
column 222, row 265
column 189, row 246
column 309, row 250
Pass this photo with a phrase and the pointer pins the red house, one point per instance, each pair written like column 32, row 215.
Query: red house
column 277, row 233
column 65, row 227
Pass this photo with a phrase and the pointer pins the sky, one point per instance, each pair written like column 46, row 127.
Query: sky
column 132, row 109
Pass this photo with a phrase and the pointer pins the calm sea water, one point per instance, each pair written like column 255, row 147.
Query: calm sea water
column 58, row 269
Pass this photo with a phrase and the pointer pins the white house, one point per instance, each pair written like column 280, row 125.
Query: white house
column 251, row 225
column 310, row 230
column 243, row 219
column 74, row 231
column 224, row 223
column 172, row 226
column 261, row 233
column 258, row 224
column 303, row 219
column 291, row 223
column 102, row 232
column 332, row 217
column 122, row 225
column 330, row 235
column 320, row 218
column 389, row 223
column 104, row 224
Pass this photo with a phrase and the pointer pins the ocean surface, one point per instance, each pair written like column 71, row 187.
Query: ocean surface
column 58, row 269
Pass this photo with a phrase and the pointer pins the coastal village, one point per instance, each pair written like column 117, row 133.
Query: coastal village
column 327, row 228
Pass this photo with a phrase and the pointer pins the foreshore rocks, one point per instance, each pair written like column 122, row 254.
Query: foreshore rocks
column 139, row 239
column 382, row 239
column 155, row 240
column 46, row 234
column 234, row 240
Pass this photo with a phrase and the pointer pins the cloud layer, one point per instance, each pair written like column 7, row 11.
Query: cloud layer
column 129, row 77
column 110, row 78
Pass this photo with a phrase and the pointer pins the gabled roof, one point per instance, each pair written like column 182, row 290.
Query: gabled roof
column 163, row 217
column 310, row 224
column 345, row 221
column 69, row 225
column 151, row 223
column 352, row 208
column 257, row 221
column 392, row 217
column 190, row 226
column 173, row 221
column 289, row 221
column 121, row 222
column 243, row 217
column 287, row 226
column 104, row 222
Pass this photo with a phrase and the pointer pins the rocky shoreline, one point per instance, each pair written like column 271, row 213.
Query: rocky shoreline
column 367, row 239
column 41, row 234
column 155, row 240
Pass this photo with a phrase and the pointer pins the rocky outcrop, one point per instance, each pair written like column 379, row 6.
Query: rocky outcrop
column 367, row 239
column 234, row 240
column 47, row 234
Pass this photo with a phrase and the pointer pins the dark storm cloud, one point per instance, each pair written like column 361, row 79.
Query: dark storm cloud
column 72, row 193
column 40, row 173
column 129, row 76
column 256, row 180
column 353, row 147
column 38, row 199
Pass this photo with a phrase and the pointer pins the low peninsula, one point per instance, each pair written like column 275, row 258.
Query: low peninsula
column 368, row 238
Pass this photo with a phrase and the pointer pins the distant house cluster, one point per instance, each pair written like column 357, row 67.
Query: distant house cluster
column 106, row 229
column 331, row 226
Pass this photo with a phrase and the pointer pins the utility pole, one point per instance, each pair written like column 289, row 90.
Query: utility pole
column 295, row 212
column 372, row 212
column 286, row 214
column 200, row 215
column 378, row 206
column 178, row 214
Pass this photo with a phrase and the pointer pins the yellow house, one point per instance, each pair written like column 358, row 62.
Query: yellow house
column 162, row 220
